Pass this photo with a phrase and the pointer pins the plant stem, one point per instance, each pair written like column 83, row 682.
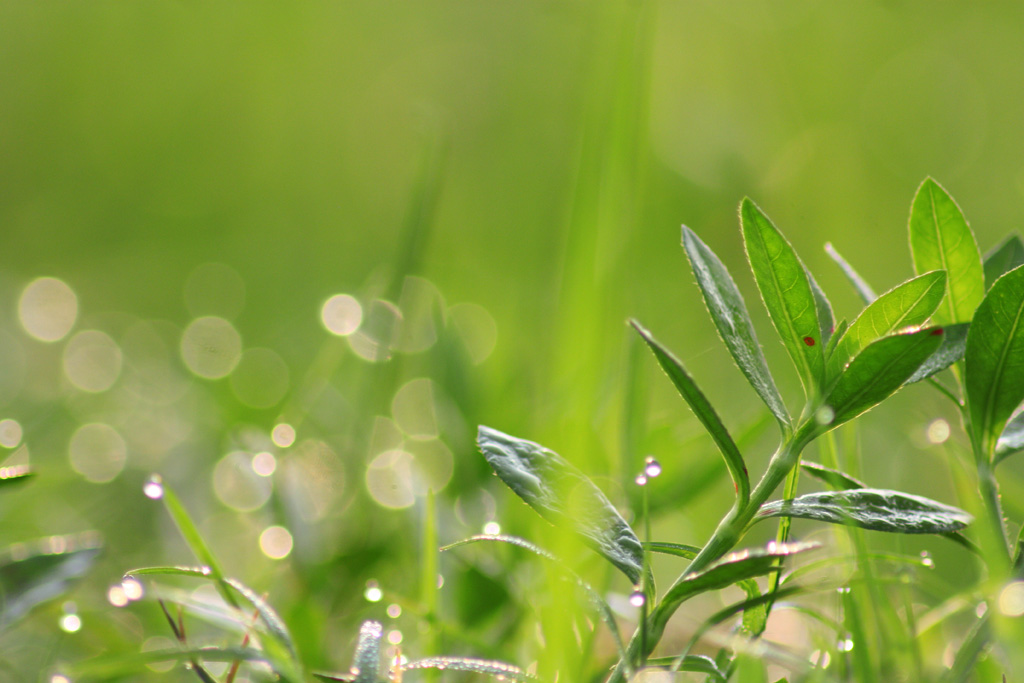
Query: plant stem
column 728, row 533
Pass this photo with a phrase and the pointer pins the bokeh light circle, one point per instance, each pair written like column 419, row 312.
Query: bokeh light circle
column 237, row 485
column 48, row 309
column 211, row 347
column 276, row 542
column 97, row 452
column 390, row 479
column 341, row 315
column 10, row 433
column 92, row 361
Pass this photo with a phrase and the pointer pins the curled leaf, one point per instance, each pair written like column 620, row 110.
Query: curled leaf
column 875, row 509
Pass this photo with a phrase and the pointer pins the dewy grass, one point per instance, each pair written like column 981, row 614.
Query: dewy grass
column 957, row 325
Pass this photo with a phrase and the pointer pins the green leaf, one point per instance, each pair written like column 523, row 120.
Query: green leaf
column 693, row 663
column 729, row 313
column 733, row 568
column 878, row 371
column 15, row 474
column 114, row 666
column 366, row 663
column 826, row 320
column 702, row 409
column 951, row 350
column 501, row 670
column 907, row 305
column 756, row 618
column 564, row 496
column 1012, row 439
column 940, row 239
column 274, row 624
column 833, row 478
column 994, row 361
column 677, row 549
column 1003, row 258
column 32, row 573
column 875, row 509
column 834, row 340
column 786, row 290
column 867, row 294
column 194, row 540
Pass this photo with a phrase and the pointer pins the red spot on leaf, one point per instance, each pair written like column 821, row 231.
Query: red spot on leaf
column 809, row 341
column 937, row 331
column 736, row 486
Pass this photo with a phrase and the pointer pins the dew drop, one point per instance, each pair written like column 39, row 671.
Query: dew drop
column 652, row 467
column 492, row 528
column 132, row 588
column 926, row 559
column 844, row 645
column 70, row 622
column 394, row 611
column 154, row 487
column 843, row 590
column 637, row 598
column 982, row 607
column 373, row 593
column 641, row 480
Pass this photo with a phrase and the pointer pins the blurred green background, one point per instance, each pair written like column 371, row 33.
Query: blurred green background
column 497, row 187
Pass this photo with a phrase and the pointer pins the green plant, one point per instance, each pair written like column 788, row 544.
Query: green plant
column 941, row 318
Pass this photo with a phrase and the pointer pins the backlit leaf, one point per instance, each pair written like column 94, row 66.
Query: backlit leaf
column 875, row 509
column 1012, row 439
column 564, row 496
column 826, row 319
column 951, row 350
column 909, row 304
column 500, row 670
column 702, row 409
column 878, row 371
column 729, row 313
column 940, row 239
column 994, row 361
column 786, row 290
column 1006, row 256
column 14, row 475
column 366, row 662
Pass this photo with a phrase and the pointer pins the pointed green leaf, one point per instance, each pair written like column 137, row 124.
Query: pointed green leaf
column 564, row 496
column 734, row 567
column 994, row 361
column 32, row 573
column 701, row 664
column 867, row 294
column 906, row 305
column 729, row 313
column 756, row 618
column 366, row 663
column 702, row 409
column 274, row 624
column 834, row 478
column 951, row 350
column 875, row 509
column 878, row 371
column 1012, row 439
column 677, row 549
column 786, row 290
column 940, row 239
column 500, row 670
column 826, row 319
column 1006, row 256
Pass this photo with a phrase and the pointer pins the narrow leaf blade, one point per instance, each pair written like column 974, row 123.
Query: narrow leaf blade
column 1006, row 256
column 677, row 549
column 729, row 313
column 366, row 663
column 941, row 239
column 994, row 360
column 564, row 496
column 826, row 319
column 875, row 509
column 906, row 305
column 734, row 567
column 878, row 371
column 834, row 478
column 701, row 407
column 500, row 670
column 32, row 573
column 786, row 290
column 860, row 285
column 1012, row 439
column 14, row 475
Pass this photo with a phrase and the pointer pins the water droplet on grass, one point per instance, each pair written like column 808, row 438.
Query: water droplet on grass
column 641, row 480
column 637, row 598
column 844, row 645
column 652, row 467
column 373, row 593
column 154, row 488
column 926, row 559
